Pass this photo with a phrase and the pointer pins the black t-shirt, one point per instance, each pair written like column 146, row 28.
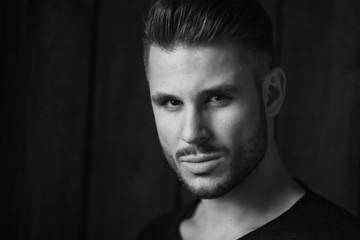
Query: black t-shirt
column 311, row 217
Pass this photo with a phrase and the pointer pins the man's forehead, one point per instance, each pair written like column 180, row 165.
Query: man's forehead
column 192, row 70
column 218, row 56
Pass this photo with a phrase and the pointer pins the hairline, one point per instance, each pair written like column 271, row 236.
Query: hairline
column 263, row 60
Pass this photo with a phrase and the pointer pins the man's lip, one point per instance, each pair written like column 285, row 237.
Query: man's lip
column 201, row 157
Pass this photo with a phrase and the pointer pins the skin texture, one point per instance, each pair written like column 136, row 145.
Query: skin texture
column 216, row 130
column 205, row 103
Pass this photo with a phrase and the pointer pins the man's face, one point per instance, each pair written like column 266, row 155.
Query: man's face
column 209, row 116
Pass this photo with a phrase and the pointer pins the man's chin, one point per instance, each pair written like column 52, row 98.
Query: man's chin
column 208, row 190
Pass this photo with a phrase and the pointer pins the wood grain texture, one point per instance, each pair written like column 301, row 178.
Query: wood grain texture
column 131, row 181
column 45, row 87
column 318, row 127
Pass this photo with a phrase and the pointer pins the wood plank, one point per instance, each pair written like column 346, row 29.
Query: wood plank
column 131, row 181
column 44, row 122
column 318, row 127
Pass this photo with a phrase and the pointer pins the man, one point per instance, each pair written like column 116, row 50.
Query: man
column 215, row 91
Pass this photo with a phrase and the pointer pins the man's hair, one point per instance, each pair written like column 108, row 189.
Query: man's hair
column 172, row 23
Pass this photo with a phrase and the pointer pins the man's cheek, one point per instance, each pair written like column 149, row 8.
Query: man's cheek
column 167, row 137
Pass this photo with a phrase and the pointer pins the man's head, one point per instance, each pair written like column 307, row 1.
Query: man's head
column 173, row 23
column 209, row 64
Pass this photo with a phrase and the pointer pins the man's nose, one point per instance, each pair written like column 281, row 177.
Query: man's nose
column 194, row 127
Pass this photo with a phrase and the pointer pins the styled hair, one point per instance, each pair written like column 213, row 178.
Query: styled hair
column 171, row 23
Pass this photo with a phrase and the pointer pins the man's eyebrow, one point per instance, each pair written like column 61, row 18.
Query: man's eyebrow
column 159, row 97
column 228, row 88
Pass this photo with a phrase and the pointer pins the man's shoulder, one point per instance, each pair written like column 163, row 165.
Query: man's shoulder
column 160, row 227
column 166, row 225
column 332, row 218
column 314, row 217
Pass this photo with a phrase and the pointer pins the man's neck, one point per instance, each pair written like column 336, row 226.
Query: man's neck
column 265, row 194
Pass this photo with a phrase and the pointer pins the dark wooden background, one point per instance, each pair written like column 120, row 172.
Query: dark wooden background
column 80, row 157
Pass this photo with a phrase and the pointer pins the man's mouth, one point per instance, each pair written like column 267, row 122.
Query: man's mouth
column 200, row 157
column 202, row 163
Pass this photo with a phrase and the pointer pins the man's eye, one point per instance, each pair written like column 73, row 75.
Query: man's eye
column 218, row 98
column 174, row 102
column 171, row 104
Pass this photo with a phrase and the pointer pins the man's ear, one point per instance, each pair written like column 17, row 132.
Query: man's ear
column 274, row 87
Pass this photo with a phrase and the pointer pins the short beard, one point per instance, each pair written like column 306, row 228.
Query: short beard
column 246, row 158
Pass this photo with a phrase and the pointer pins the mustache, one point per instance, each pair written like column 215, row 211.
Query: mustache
column 193, row 150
